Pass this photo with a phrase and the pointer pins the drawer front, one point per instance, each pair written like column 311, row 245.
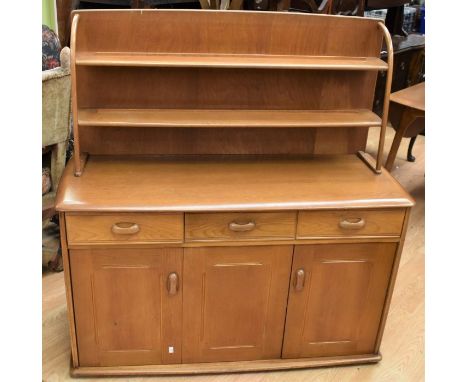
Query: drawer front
column 350, row 223
column 239, row 226
column 124, row 228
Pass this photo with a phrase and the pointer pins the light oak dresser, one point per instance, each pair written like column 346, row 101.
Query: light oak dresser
column 220, row 213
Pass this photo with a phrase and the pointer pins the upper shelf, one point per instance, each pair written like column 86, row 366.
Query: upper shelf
column 226, row 118
column 231, row 61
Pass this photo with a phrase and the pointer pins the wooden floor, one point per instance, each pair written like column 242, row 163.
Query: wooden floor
column 403, row 342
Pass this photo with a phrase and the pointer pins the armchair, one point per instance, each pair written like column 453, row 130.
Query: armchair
column 56, row 105
column 56, row 97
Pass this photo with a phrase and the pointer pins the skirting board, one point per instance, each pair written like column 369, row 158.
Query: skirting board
column 224, row 367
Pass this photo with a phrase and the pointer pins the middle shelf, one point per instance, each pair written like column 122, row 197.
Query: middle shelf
column 227, row 118
column 207, row 60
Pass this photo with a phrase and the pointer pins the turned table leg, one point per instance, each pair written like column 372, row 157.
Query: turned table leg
column 409, row 155
column 393, row 151
column 406, row 120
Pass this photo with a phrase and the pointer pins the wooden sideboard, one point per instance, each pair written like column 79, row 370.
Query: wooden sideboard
column 221, row 214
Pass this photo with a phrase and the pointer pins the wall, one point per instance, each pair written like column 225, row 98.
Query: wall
column 48, row 14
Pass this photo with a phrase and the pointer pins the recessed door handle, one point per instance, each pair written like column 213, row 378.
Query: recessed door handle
column 300, row 279
column 125, row 228
column 172, row 283
column 237, row 227
column 353, row 223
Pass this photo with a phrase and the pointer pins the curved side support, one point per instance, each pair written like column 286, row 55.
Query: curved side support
column 76, row 135
column 386, row 102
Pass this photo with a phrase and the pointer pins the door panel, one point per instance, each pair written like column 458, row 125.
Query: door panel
column 234, row 302
column 335, row 305
column 124, row 313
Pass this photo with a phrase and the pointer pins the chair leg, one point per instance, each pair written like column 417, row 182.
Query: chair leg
column 409, row 155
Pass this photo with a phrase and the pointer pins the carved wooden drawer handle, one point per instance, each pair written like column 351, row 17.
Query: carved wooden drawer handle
column 172, row 283
column 125, row 228
column 233, row 226
column 353, row 223
column 300, row 279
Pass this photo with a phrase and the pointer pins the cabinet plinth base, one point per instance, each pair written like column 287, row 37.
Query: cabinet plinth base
column 224, row 367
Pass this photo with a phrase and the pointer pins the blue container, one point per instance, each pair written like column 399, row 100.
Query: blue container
column 422, row 24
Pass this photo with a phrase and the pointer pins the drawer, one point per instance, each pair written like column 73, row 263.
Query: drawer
column 124, row 228
column 239, row 226
column 350, row 223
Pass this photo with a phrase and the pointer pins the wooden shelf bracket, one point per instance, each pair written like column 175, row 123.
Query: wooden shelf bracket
column 386, row 103
column 76, row 135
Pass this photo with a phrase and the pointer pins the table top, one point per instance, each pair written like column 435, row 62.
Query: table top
column 125, row 184
column 413, row 97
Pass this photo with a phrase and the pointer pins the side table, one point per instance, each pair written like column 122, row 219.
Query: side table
column 407, row 110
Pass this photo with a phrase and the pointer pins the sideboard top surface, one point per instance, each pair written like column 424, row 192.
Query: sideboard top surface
column 112, row 184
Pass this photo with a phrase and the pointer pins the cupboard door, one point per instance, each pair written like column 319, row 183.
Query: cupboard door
column 234, row 302
column 127, row 312
column 336, row 299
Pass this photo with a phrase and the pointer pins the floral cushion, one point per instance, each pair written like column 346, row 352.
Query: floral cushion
column 50, row 49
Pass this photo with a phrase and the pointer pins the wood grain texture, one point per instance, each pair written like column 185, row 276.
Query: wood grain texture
column 327, row 223
column 207, row 184
column 403, row 339
column 235, row 302
column 414, row 120
column 122, row 310
column 224, row 367
column 267, row 225
column 246, row 275
column 241, row 243
column 413, row 97
column 230, row 61
column 69, row 292
column 391, row 286
column 217, row 32
column 98, row 228
column 410, row 124
column 228, row 89
column 238, row 141
column 338, row 311
column 74, row 96
column 82, row 163
column 386, row 100
column 227, row 118
column 220, row 64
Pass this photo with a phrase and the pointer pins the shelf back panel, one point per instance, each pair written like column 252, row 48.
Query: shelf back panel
column 221, row 32
column 237, row 141
column 196, row 88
